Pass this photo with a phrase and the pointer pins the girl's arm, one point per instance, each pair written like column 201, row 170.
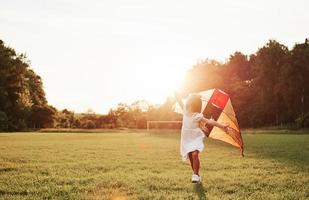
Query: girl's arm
column 214, row 123
column 178, row 99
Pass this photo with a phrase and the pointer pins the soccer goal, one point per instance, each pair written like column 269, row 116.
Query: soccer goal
column 163, row 125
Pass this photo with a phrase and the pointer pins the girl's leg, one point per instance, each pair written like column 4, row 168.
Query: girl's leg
column 195, row 162
column 191, row 160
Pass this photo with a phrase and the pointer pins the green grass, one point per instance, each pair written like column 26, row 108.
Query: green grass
column 148, row 166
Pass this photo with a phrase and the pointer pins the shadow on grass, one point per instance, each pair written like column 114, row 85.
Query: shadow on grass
column 200, row 191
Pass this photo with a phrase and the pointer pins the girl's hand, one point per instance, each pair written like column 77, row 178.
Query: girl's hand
column 226, row 127
column 204, row 128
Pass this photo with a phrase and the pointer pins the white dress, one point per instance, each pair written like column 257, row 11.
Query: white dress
column 191, row 135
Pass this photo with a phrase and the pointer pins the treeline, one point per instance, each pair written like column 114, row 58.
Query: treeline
column 22, row 99
column 134, row 115
column 268, row 88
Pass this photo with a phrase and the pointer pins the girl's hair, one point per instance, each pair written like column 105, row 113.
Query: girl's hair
column 195, row 103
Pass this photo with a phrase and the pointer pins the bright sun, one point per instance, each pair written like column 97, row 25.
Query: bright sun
column 161, row 84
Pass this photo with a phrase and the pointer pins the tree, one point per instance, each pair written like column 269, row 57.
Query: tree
column 43, row 116
column 3, row 121
column 204, row 75
column 295, row 84
column 21, row 89
column 267, row 64
column 237, row 82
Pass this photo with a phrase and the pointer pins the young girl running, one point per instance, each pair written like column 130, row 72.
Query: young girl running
column 193, row 122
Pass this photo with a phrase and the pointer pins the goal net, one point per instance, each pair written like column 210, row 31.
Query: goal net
column 163, row 125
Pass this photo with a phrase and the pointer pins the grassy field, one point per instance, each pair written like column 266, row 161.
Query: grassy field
column 148, row 166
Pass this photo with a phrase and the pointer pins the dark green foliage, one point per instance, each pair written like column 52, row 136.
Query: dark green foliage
column 22, row 99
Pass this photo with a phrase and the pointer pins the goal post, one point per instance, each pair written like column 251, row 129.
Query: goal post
column 149, row 123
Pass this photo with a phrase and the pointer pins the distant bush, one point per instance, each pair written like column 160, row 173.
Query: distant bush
column 88, row 124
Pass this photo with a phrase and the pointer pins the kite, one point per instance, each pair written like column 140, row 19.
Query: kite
column 217, row 105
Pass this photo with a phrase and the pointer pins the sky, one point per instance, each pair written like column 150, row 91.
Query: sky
column 95, row 54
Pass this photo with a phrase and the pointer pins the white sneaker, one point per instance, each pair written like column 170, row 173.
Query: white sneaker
column 196, row 178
